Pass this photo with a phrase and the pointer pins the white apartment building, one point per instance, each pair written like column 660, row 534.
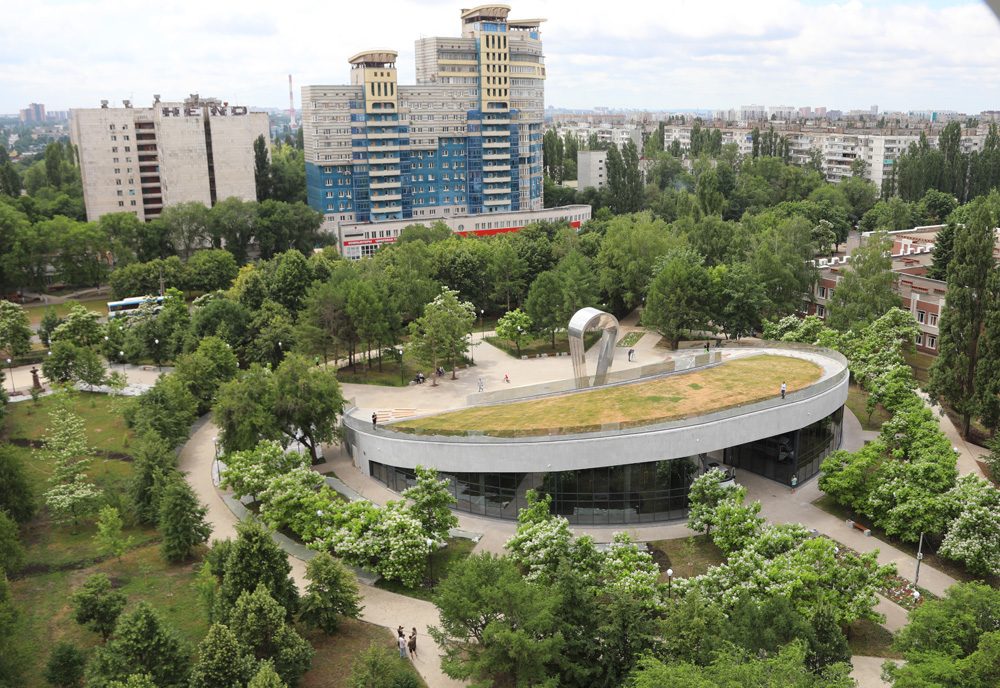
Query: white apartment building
column 618, row 134
column 591, row 169
column 141, row 160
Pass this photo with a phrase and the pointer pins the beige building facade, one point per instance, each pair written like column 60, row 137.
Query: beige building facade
column 141, row 160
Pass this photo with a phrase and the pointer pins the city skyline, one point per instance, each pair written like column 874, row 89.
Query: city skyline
column 843, row 55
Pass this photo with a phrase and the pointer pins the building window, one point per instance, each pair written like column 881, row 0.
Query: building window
column 931, row 341
column 821, row 291
column 121, row 204
column 920, row 339
column 933, row 319
column 120, row 192
column 132, row 202
column 114, row 149
column 921, row 317
column 821, row 311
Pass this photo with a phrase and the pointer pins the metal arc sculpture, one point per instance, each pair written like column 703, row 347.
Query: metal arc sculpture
column 590, row 319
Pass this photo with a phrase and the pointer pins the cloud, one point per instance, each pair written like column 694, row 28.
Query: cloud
column 639, row 54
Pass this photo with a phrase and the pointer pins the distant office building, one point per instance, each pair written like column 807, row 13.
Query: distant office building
column 141, row 160
column 33, row 113
column 466, row 140
column 591, row 169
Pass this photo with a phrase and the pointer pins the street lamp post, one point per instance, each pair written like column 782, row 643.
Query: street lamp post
column 920, row 557
column 215, row 441
column 482, row 320
column 10, row 367
column 121, row 355
column 158, row 368
column 670, row 579
column 402, row 375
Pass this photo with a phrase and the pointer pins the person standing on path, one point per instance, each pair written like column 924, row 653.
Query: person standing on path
column 412, row 645
column 401, row 641
column 783, row 388
column 480, row 384
column 631, row 353
column 375, row 419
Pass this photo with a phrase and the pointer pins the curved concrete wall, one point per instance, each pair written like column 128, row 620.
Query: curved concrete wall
column 684, row 437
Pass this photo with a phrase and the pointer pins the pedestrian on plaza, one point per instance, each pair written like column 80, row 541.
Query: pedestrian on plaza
column 795, row 481
column 506, row 379
column 706, row 346
column 401, row 641
column 631, row 353
column 480, row 384
column 317, row 360
column 374, row 419
column 783, row 388
column 412, row 644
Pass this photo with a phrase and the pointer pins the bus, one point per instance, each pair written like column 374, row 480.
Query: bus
column 130, row 306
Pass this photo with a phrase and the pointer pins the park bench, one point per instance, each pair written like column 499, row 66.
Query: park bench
column 866, row 531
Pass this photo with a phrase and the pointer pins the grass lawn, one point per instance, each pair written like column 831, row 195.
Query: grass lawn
column 441, row 563
column 688, row 557
column 868, row 639
column 952, row 568
column 390, row 375
column 856, row 400
column 99, row 305
column 735, row 383
column 921, row 364
column 543, row 345
column 630, row 339
column 105, row 427
column 335, row 654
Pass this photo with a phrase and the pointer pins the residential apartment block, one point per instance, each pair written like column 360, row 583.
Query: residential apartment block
column 465, row 140
column 591, row 169
column 33, row 113
column 141, row 160
column 922, row 296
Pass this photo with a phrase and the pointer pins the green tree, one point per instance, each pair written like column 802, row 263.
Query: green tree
column 50, row 321
column 261, row 168
column 944, row 243
column 255, row 558
column 442, row 330
column 266, row 676
column 211, row 270
column 71, row 495
column 152, row 462
column 187, row 226
column 65, row 666
column 182, row 520
column 630, row 248
column 680, row 296
column 109, row 536
column 493, row 621
column 97, row 606
column 81, row 327
column 706, row 494
column 507, row 271
column 259, row 623
column 222, row 661
column 972, row 286
column 432, row 503
column 866, row 290
column 143, row 643
column 332, row 593
column 15, row 330
column 206, row 369
column 375, row 667
column 16, row 494
column 545, row 304
column 307, row 403
column 516, row 327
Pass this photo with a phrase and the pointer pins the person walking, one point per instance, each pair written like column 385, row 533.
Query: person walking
column 631, row 353
column 480, row 384
column 412, row 644
column 506, row 379
column 374, row 419
column 783, row 388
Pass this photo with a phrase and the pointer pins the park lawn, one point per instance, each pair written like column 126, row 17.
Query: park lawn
column 954, row 569
column 104, row 424
column 442, row 561
column 735, row 383
column 47, row 613
column 856, row 400
column 335, row 654
column 542, row 345
column 869, row 639
column 390, row 375
column 99, row 305
column 688, row 557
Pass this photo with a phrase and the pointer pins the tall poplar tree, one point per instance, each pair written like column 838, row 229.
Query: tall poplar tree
column 972, row 287
column 866, row 291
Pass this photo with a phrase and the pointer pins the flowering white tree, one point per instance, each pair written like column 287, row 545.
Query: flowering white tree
column 250, row 472
column 705, row 494
column 973, row 506
column 632, row 570
column 541, row 540
column 286, row 495
column 431, row 503
column 386, row 540
column 71, row 495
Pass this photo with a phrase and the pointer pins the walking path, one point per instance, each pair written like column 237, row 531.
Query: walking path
column 390, row 610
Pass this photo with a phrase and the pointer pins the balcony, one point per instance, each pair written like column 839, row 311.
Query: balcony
column 378, row 198
column 381, row 134
column 502, row 190
column 496, row 168
column 497, row 201
column 497, row 180
column 383, row 173
column 496, row 155
column 389, row 184
column 496, row 144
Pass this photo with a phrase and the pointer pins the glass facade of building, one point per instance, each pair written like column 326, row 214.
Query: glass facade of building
column 632, row 493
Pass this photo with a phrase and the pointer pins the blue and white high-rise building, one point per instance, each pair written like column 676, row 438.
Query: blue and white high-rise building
column 464, row 142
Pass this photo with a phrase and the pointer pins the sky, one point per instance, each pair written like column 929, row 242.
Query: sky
column 638, row 54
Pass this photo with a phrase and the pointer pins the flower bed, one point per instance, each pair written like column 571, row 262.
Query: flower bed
column 631, row 338
column 898, row 589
